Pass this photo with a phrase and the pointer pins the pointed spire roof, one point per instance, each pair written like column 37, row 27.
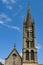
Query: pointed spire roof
column 28, row 13
column 29, row 18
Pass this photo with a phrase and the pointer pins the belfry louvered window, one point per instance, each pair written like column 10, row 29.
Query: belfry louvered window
column 32, row 55
column 27, row 55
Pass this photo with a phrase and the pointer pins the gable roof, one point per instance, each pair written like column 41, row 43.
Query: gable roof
column 11, row 53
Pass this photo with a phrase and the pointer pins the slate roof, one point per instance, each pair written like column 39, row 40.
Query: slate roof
column 11, row 53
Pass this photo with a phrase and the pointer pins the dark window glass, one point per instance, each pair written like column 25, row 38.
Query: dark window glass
column 27, row 34
column 14, row 55
column 32, row 55
column 27, row 55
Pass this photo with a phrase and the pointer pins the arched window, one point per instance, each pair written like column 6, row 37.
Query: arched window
column 14, row 56
column 32, row 55
column 27, row 55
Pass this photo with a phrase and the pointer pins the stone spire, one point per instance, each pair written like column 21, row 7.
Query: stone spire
column 29, row 18
column 29, row 41
column 28, row 13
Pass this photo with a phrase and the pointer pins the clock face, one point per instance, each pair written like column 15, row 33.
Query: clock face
column 14, row 55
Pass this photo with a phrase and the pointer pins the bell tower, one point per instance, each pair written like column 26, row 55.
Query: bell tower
column 29, row 52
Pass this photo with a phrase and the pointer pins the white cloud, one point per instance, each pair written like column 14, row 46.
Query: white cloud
column 21, row 54
column 8, row 19
column 20, row 8
column 9, row 1
column 5, row 1
column 38, row 46
column 1, row 60
column 13, row 1
column 1, row 22
column 8, row 26
column 12, row 27
column 4, row 16
column 9, row 7
column 15, row 27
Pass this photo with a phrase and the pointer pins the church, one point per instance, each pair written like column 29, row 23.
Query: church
column 29, row 51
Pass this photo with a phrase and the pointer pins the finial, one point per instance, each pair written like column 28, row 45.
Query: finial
column 29, row 9
column 29, row 5
column 14, row 45
column 28, row 13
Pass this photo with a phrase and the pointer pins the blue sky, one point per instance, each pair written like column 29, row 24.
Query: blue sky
column 12, row 15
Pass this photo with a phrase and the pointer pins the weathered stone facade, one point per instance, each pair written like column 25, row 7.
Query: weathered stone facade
column 13, row 59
